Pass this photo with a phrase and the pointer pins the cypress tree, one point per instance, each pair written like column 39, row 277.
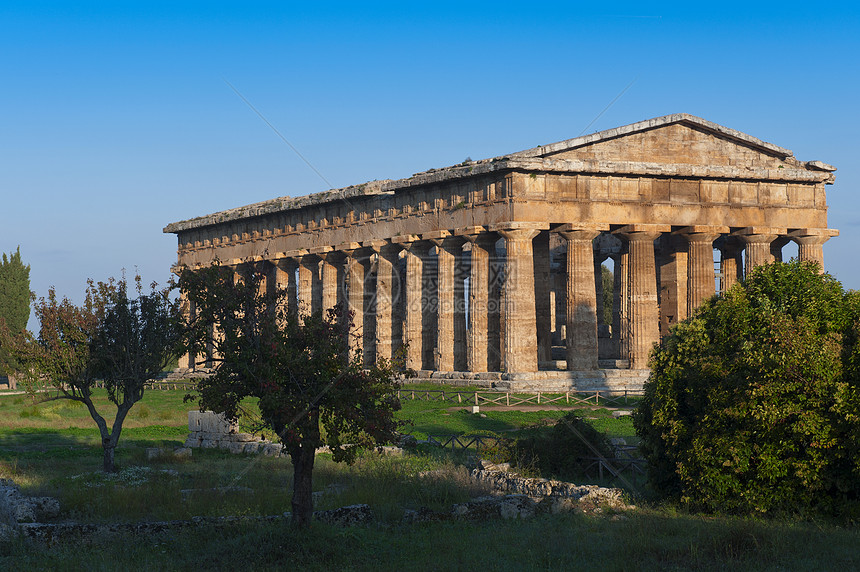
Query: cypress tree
column 14, row 303
column 14, row 291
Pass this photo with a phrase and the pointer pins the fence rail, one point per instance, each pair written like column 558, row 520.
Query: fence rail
column 614, row 468
column 510, row 399
column 462, row 441
column 157, row 385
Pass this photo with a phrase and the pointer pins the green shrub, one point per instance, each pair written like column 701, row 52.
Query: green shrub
column 753, row 405
column 564, row 451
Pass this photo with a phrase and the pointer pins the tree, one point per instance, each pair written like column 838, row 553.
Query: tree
column 14, row 304
column 753, row 403
column 608, row 281
column 112, row 339
column 299, row 368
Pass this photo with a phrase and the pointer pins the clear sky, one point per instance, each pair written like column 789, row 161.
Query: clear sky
column 117, row 118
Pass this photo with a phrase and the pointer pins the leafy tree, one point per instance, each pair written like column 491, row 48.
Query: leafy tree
column 753, row 403
column 14, row 304
column 112, row 339
column 608, row 281
column 298, row 367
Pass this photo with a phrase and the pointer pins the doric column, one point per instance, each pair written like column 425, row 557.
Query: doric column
column 415, row 252
column 700, row 264
column 543, row 313
column 495, row 325
column 671, row 254
column 621, row 274
column 356, row 270
column 479, row 301
column 643, row 313
column 332, row 278
column 581, row 305
column 520, row 318
column 389, row 333
column 449, row 307
column 731, row 262
column 284, row 278
column 598, row 287
column 810, row 244
column 186, row 360
column 757, row 246
column 308, row 280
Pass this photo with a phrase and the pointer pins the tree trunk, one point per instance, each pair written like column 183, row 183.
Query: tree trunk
column 302, row 456
column 109, row 449
column 303, row 466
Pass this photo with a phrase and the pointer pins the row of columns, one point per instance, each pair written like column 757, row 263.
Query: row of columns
column 399, row 294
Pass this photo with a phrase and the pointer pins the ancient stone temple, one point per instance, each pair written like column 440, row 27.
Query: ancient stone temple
column 490, row 271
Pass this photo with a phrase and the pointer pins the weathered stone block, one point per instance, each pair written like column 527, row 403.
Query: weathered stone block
column 182, row 452
column 252, row 447
column 352, row 515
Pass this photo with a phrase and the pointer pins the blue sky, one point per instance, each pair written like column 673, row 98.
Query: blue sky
column 117, row 118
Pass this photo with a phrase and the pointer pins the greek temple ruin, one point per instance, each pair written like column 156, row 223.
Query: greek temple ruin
column 490, row 271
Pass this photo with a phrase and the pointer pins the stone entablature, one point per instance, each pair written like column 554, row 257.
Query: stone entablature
column 655, row 197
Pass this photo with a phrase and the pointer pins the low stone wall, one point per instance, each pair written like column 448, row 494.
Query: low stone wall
column 16, row 510
column 502, row 480
column 209, row 430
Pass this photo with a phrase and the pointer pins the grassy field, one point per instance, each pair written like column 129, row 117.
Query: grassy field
column 53, row 448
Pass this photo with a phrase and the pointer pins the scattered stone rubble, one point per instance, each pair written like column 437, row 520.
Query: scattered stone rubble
column 530, row 497
column 17, row 509
column 211, row 430
column 502, row 480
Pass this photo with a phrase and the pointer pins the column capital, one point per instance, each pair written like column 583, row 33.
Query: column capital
column 448, row 241
column 511, row 226
column 642, row 232
column 468, row 231
column 518, row 234
column 580, row 234
column 482, row 238
column 295, row 253
column 813, row 235
column 758, row 234
column 578, row 226
column 357, row 252
column 406, row 239
column 702, row 229
column 701, row 233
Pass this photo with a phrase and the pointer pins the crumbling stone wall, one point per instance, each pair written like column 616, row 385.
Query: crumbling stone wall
column 210, row 430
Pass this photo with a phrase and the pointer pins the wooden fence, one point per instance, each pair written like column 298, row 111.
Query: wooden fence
column 162, row 385
column 509, row 399
column 462, row 441
column 625, row 467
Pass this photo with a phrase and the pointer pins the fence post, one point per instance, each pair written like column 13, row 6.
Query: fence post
column 476, row 398
column 538, row 397
column 508, row 398
column 567, row 397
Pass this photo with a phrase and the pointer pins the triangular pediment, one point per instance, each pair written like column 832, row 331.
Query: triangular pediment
column 673, row 139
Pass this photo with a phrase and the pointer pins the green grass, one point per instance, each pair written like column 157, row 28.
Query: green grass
column 435, row 417
column 645, row 540
column 53, row 448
